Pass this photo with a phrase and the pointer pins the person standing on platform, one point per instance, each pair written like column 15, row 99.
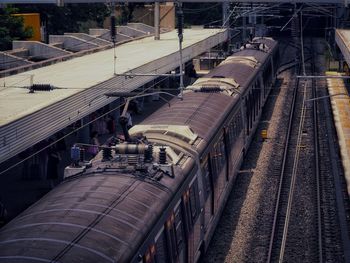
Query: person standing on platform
column 94, row 143
column 3, row 214
column 128, row 116
column 54, row 158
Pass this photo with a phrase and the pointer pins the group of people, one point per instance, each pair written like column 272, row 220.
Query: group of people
column 103, row 125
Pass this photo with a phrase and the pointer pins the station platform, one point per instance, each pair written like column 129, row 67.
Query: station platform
column 341, row 114
column 342, row 38
column 78, row 85
column 18, row 193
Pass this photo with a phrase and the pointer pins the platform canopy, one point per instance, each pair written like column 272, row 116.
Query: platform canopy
column 61, row 2
column 81, row 84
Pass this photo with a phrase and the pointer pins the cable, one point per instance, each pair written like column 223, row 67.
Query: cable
column 199, row 10
column 74, row 131
column 55, row 87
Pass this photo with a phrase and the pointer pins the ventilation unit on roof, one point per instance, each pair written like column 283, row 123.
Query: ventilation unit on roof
column 209, row 89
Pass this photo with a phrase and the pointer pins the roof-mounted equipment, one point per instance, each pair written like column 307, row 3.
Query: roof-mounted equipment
column 40, row 87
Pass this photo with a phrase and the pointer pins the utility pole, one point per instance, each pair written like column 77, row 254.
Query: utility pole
column 114, row 36
column 225, row 12
column 180, row 24
column 156, row 21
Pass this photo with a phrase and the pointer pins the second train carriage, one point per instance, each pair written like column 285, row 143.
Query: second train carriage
column 159, row 197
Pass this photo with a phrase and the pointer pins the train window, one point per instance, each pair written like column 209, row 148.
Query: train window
column 247, row 114
column 206, row 177
column 179, row 230
column 171, row 238
column 254, row 102
column 222, row 152
column 218, row 157
column 214, row 163
column 149, row 256
column 240, row 123
column 186, row 210
column 161, row 255
column 251, row 110
column 234, row 129
column 231, row 133
column 194, row 200
column 259, row 98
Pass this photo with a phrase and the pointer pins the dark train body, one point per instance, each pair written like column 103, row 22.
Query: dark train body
column 158, row 198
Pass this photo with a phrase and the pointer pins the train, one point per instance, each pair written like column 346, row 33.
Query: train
column 157, row 195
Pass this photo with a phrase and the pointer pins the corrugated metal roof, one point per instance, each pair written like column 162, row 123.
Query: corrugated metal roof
column 100, row 218
column 26, row 119
column 200, row 111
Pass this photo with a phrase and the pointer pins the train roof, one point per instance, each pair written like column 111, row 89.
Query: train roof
column 98, row 218
column 199, row 111
column 242, row 65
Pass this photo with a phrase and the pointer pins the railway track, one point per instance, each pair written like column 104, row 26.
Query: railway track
column 317, row 227
column 334, row 200
column 304, row 227
column 282, row 242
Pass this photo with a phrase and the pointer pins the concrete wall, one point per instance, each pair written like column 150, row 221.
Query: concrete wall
column 21, row 52
column 39, row 50
column 9, row 61
column 91, row 39
column 142, row 27
column 98, row 31
column 131, row 32
column 72, row 43
column 107, row 36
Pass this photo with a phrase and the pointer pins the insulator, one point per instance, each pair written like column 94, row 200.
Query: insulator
column 210, row 89
column 113, row 30
column 75, row 153
column 132, row 159
column 162, row 155
column 149, row 153
column 40, row 87
column 130, row 148
column 106, row 154
column 82, row 154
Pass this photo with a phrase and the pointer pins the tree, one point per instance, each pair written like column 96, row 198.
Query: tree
column 70, row 17
column 12, row 28
column 207, row 14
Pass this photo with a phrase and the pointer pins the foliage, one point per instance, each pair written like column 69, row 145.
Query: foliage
column 69, row 18
column 126, row 13
column 207, row 14
column 11, row 28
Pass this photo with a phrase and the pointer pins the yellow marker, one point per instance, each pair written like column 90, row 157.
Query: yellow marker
column 264, row 134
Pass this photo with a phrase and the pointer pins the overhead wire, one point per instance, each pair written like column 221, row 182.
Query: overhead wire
column 75, row 130
column 199, row 10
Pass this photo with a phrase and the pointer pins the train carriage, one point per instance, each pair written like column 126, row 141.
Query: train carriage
column 158, row 196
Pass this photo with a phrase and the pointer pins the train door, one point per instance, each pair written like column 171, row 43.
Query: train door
column 218, row 169
column 208, row 194
column 175, row 234
column 180, row 235
column 160, row 250
column 193, row 222
column 262, row 90
column 247, row 114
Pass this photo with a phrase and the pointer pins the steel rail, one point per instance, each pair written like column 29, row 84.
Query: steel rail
column 317, row 163
column 284, row 163
column 293, row 179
